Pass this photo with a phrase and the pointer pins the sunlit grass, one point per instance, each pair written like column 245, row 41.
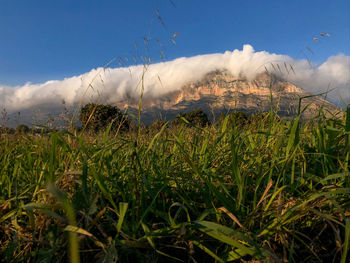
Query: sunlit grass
column 266, row 190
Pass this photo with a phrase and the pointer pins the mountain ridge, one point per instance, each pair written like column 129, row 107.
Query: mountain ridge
column 219, row 91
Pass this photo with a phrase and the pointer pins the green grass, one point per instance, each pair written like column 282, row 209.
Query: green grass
column 269, row 191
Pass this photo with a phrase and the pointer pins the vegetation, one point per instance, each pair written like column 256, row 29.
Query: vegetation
column 196, row 117
column 96, row 117
column 22, row 128
column 266, row 191
column 238, row 118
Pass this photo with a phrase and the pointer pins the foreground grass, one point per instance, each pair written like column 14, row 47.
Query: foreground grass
column 269, row 190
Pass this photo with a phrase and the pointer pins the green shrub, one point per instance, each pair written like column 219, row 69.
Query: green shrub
column 97, row 117
column 238, row 118
column 156, row 125
column 6, row 130
column 22, row 128
column 196, row 117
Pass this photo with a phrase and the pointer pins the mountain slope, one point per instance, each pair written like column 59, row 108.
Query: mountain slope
column 220, row 92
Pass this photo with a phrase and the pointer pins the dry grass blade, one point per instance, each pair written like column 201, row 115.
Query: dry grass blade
column 264, row 195
column 232, row 216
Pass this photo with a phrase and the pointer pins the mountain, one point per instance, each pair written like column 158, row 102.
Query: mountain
column 220, row 92
column 217, row 92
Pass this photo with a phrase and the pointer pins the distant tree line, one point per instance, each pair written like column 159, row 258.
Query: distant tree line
column 97, row 117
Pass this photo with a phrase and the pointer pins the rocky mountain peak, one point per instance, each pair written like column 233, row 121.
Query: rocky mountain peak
column 219, row 91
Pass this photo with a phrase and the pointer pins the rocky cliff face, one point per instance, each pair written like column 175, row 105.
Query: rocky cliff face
column 221, row 92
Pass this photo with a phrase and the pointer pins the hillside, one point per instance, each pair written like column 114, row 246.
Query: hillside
column 220, row 92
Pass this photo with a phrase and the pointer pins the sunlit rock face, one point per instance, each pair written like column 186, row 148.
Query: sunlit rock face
column 220, row 92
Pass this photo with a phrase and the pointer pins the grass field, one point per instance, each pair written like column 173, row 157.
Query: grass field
column 265, row 191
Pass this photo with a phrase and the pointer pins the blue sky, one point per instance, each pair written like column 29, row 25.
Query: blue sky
column 53, row 39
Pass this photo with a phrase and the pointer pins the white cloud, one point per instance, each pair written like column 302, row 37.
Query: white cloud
column 112, row 85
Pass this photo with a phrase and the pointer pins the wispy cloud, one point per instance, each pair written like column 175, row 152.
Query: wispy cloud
column 114, row 84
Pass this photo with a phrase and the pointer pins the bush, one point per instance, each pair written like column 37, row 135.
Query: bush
column 238, row 118
column 195, row 117
column 102, row 116
column 156, row 125
column 22, row 129
column 6, row 130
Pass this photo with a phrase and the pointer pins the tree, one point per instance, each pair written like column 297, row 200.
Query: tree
column 96, row 117
column 195, row 117
column 22, row 129
column 238, row 118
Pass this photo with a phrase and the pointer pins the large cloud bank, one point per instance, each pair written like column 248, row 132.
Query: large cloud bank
column 114, row 84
